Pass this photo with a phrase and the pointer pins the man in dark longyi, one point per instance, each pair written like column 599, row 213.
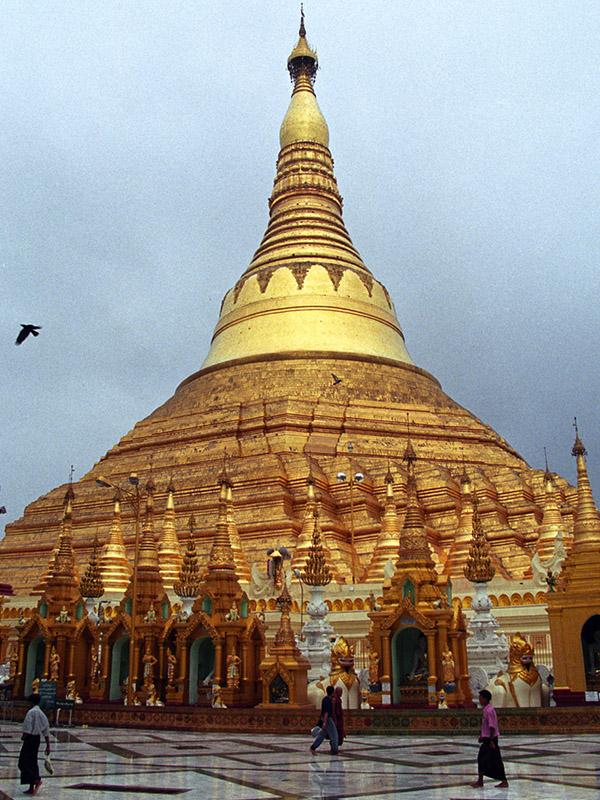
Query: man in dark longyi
column 489, row 760
column 35, row 725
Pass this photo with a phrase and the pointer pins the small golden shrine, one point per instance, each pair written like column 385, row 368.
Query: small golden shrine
column 573, row 601
column 284, row 671
column 419, row 639
column 56, row 642
column 219, row 643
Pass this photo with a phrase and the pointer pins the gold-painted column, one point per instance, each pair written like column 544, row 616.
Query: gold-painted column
column 458, row 666
column 387, row 658
column 48, row 648
column 217, row 678
column 71, row 673
column 432, row 679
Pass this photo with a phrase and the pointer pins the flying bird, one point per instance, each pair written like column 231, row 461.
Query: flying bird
column 336, row 380
column 25, row 331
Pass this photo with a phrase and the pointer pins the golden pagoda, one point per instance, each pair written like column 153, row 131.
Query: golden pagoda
column 169, row 549
column 115, row 568
column 573, row 601
column 415, row 632
column 307, row 361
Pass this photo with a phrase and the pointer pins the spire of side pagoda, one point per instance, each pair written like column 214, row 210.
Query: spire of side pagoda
column 586, row 531
column 389, row 537
column 189, row 574
column 316, row 571
column 479, row 567
column 169, row 550
column 551, row 524
column 220, row 582
column 115, row 568
column 414, row 567
column 91, row 583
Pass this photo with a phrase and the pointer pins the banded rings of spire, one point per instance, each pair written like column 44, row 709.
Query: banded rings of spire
column 307, row 288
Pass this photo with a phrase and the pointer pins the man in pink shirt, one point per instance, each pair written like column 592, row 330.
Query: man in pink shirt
column 489, row 760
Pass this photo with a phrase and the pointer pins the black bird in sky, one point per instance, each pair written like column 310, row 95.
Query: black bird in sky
column 336, row 380
column 25, row 331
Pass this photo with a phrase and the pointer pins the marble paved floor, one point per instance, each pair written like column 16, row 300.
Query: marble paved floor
column 111, row 763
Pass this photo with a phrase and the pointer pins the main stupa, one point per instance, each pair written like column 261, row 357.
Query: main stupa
column 307, row 384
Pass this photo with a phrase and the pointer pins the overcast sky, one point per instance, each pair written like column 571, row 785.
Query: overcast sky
column 138, row 148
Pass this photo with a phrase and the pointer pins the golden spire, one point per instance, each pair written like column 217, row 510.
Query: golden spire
column 413, row 538
column 221, row 554
column 459, row 549
column 479, row 567
column 306, row 275
column 551, row 523
column 169, row 550
column 64, row 562
column 316, row 572
column 306, row 532
column 389, row 536
column 586, row 530
column 91, row 583
column 285, row 634
column 304, row 121
column 188, row 584
column 115, row 568
column 239, row 557
column 148, row 555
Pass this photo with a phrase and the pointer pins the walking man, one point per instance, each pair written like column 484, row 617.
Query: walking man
column 328, row 725
column 35, row 725
column 489, row 760
column 338, row 714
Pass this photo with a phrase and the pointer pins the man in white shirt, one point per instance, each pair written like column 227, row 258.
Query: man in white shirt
column 35, row 725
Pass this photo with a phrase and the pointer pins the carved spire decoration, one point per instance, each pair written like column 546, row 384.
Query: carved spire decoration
column 91, row 583
column 148, row 555
column 221, row 553
column 413, row 539
column 389, row 536
column 242, row 567
column 303, row 60
column 479, row 567
column 115, row 568
column 316, row 572
column 459, row 549
column 306, row 532
column 64, row 562
column 285, row 634
column 169, row 550
column 551, row 524
column 586, row 530
column 188, row 584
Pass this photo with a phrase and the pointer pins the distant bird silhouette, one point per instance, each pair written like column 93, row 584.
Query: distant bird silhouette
column 25, row 331
column 336, row 380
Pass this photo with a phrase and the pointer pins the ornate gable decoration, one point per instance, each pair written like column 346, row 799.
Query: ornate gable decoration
column 406, row 609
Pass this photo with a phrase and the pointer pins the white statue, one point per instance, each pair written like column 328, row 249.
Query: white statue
column 521, row 686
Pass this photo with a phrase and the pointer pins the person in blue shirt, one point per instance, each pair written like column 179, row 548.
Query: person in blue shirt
column 328, row 725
